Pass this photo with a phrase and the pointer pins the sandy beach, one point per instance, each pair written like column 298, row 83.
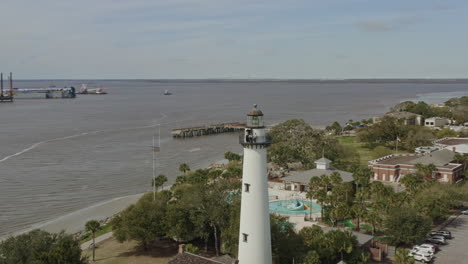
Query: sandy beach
column 74, row 222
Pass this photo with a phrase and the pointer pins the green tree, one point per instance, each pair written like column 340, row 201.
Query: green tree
column 381, row 151
column 406, row 226
column 330, row 246
column 41, row 247
column 312, row 257
column 93, row 226
column 418, row 136
column 184, row 167
column 318, row 189
column 159, row 181
column 446, row 132
column 386, row 131
column 334, row 128
column 427, row 171
column 143, row 221
column 285, row 242
column 296, row 141
column 463, row 159
column 231, row 156
column 412, row 182
column 192, row 249
column 401, row 257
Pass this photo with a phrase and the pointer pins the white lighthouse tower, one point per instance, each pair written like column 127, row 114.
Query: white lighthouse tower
column 254, row 237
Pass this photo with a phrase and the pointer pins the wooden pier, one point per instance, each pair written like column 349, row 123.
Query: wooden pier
column 6, row 96
column 206, row 130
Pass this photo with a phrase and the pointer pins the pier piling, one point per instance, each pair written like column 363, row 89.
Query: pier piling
column 206, row 130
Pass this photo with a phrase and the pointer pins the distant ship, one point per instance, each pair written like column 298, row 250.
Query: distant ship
column 166, row 92
column 85, row 90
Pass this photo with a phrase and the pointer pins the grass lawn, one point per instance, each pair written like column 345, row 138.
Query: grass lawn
column 365, row 154
column 112, row 252
column 88, row 236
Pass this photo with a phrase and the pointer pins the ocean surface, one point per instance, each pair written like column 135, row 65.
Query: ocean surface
column 61, row 155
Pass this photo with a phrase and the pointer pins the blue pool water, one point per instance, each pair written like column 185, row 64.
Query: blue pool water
column 285, row 207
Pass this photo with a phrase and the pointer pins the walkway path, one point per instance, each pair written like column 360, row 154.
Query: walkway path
column 98, row 239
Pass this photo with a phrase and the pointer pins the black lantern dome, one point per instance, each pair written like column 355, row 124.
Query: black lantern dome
column 255, row 118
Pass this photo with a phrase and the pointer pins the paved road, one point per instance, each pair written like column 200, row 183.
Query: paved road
column 87, row 244
column 456, row 251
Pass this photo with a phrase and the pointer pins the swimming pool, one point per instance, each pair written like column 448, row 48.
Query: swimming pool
column 293, row 207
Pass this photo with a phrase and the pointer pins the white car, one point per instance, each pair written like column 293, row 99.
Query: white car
column 423, row 253
column 424, row 248
column 420, row 257
column 433, row 247
column 464, row 212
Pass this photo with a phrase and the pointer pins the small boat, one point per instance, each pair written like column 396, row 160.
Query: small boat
column 166, row 92
column 85, row 90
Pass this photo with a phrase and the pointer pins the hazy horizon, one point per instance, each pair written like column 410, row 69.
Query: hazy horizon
column 244, row 39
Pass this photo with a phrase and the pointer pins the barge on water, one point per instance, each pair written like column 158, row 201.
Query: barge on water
column 46, row 93
column 207, row 130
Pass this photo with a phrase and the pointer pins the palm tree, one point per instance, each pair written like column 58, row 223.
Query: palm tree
column 93, row 226
column 184, row 167
column 159, row 181
column 462, row 158
column 401, row 257
column 427, row 171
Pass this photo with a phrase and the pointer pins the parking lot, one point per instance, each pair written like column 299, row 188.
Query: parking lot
column 456, row 251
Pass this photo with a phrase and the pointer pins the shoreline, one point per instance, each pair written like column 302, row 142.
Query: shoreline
column 74, row 222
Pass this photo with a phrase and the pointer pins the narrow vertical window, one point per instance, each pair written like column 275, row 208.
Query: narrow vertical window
column 246, row 187
column 244, row 237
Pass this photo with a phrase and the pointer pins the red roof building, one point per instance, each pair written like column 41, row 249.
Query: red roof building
column 393, row 167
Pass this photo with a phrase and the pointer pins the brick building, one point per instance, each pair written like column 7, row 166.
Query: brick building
column 393, row 167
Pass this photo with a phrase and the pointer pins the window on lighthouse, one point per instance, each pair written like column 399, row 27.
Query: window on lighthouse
column 244, row 237
column 246, row 187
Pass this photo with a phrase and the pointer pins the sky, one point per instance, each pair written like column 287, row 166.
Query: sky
column 198, row 39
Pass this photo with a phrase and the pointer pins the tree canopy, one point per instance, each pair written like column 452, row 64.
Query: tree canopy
column 41, row 247
column 296, row 141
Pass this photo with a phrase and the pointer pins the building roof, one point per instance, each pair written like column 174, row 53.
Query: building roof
column 436, row 118
column 451, row 141
column 323, row 160
column 189, row 258
column 402, row 114
column 361, row 238
column 461, row 148
column 304, row 176
column 438, row 158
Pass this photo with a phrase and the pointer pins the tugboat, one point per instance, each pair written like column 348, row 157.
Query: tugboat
column 85, row 90
column 166, row 92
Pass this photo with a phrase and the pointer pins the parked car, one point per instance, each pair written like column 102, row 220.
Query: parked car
column 420, row 257
column 429, row 254
column 436, row 241
column 433, row 246
column 445, row 234
column 425, row 247
column 464, row 212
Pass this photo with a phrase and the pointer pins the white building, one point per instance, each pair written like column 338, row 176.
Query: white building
column 436, row 122
column 254, row 231
column 299, row 180
column 459, row 145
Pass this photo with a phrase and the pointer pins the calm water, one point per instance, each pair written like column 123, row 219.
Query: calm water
column 58, row 156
